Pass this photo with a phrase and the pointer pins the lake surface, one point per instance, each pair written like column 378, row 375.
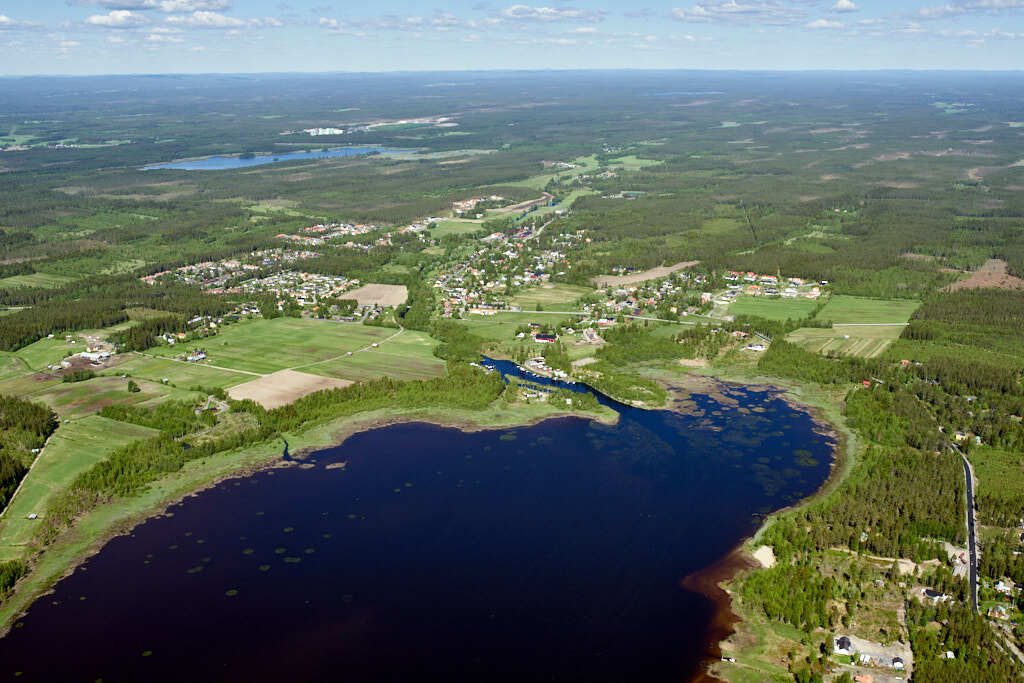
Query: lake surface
column 220, row 163
column 553, row 552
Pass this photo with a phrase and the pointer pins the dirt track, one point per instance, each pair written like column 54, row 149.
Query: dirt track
column 652, row 274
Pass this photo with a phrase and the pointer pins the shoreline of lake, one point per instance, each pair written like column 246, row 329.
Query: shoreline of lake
column 120, row 517
column 707, row 581
column 224, row 162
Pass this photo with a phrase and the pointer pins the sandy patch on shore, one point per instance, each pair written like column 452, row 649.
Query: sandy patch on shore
column 283, row 387
column 766, row 556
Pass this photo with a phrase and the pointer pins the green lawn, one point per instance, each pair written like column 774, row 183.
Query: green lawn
column 549, row 297
column 72, row 449
column 856, row 309
column 408, row 356
column 455, row 227
column 866, row 342
column 266, row 346
column 773, row 309
column 502, row 327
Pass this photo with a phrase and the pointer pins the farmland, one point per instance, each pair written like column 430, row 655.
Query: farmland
column 772, row 308
column 862, row 310
column 866, row 342
column 555, row 297
column 179, row 373
column 265, row 346
column 72, row 449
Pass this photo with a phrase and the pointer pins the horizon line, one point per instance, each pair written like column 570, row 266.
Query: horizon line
column 515, row 70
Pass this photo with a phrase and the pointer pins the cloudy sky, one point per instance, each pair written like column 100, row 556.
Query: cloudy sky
column 160, row 36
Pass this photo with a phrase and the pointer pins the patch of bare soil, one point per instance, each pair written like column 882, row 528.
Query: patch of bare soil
column 992, row 274
column 652, row 274
column 283, row 387
column 379, row 295
column 521, row 206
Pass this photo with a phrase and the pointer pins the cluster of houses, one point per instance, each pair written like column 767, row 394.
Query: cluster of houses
column 771, row 285
column 316, row 235
column 215, row 276
column 469, row 205
column 307, row 289
column 479, row 284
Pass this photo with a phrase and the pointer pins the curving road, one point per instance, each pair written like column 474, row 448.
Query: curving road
column 972, row 539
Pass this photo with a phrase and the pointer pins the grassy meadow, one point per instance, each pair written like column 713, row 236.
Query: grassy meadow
column 265, row 346
column 862, row 310
column 73, row 448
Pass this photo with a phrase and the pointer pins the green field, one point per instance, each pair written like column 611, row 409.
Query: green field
column 72, row 449
column 408, row 356
column 631, row 162
column 502, row 327
column 1000, row 473
column 866, row 342
column 176, row 372
column 265, row 346
column 773, row 309
column 455, row 227
column 553, row 297
column 35, row 280
column 855, row 309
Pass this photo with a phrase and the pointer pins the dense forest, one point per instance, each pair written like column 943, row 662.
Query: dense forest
column 24, row 428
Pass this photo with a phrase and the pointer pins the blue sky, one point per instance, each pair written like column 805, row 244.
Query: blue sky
column 161, row 36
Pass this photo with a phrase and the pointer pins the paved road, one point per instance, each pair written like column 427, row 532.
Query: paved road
column 971, row 535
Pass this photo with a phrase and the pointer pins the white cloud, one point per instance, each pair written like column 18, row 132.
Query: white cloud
column 184, row 6
column 169, row 6
column 583, row 29
column 528, row 13
column 844, row 6
column 119, row 18
column 164, row 38
column 970, row 7
column 205, row 19
column 739, row 12
column 823, row 23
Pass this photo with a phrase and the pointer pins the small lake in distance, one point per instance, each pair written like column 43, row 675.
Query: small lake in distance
column 415, row 552
column 221, row 163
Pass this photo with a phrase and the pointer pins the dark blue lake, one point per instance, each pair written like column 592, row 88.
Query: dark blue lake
column 220, row 163
column 553, row 552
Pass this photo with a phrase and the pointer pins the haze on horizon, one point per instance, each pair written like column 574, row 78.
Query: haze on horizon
column 80, row 37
